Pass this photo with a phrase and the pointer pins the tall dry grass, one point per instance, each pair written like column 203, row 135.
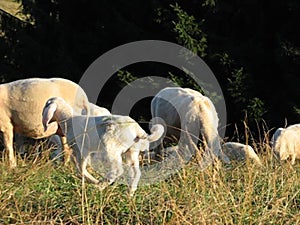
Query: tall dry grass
column 41, row 192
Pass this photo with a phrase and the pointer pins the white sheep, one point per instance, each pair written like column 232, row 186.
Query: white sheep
column 275, row 137
column 21, row 105
column 55, row 142
column 288, row 143
column 240, row 152
column 96, row 110
column 112, row 136
column 192, row 112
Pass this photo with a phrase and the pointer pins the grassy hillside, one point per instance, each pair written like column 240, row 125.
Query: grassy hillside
column 39, row 192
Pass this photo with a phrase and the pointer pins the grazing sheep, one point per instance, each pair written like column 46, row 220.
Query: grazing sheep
column 275, row 137
column 21, row 105
column 112, row 136
column 55, row 142
column 240, row 152
column 288, row 143
column 189, row 110
column 97, row 111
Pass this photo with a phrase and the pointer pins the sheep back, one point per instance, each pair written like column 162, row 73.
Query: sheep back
column 239, row 152
column 122, row 130
column 288, row 143
column 185, row 108
column 25, row 100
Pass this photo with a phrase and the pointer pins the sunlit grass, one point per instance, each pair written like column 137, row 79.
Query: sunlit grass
column 40, row 192
column 12, row 7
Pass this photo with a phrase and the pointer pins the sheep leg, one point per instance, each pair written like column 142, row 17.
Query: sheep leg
column 85, row 173
column 115, row 171
column 81, row 166
column 292, row 149
column 132, row 160
column 8, row 143
column 213, row 145
column 293, row 159
column 67, row 149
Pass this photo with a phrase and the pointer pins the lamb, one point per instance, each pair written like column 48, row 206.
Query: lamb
column 112, row 136
column 21, row 105
column 55, row 142
column 192, row 112
column 96, row 110
column 240, row 152
column 288, row 143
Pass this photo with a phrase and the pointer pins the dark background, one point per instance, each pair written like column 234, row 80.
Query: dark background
column 251, row 46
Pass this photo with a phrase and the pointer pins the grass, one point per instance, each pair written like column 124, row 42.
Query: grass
column 12, row 7
column 40, row 192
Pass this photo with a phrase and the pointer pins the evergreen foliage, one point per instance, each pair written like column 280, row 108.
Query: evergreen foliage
column 251, row 46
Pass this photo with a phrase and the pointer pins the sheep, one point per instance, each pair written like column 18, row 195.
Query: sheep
column 192, row 112
column 112, row 136
column 288, row 144
column 97, row 110
column 21, row 104
column 240, row 152
column 55, row 142
column 275, row 137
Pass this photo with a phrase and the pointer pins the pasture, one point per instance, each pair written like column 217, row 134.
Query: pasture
column 41, row 192
column 227, row 35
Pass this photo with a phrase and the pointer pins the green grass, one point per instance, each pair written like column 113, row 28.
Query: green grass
column 39, row 192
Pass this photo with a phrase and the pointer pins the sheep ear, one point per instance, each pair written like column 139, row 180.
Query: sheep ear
column 156, row 132
column 48, row 114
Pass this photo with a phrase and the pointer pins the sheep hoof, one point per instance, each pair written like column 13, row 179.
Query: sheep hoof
column 131, row 193
column 12, row 164
column 102, row 185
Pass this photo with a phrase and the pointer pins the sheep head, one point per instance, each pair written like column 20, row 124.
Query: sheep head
column 56, row 110
column 48, row 113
